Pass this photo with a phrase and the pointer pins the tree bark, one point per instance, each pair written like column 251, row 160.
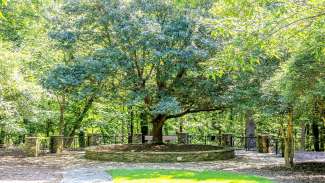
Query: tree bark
column 315, row 129
column 2, row 138
column 157, row 127
column 322, row 117
column 79, row 119
column 130, row 126
column 308, row 140
column 289, row 145
column 62, row 110
column 250, row 131
column 303, row 136
column 144, row 126
column 322, row 138
column 181, row 127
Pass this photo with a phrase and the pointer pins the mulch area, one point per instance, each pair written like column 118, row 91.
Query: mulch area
column 156, row 148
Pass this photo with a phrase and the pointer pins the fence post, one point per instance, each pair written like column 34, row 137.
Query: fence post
column 263, row 143
column 31, row 146
column 56, row 144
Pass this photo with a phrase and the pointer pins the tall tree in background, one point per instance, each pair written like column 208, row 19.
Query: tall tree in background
column 161, row 55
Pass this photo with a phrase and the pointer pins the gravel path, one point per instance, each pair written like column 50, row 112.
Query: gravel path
column 86, row 175
column 73, row 168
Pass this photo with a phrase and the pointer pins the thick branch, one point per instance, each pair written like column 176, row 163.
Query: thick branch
column 189, row 111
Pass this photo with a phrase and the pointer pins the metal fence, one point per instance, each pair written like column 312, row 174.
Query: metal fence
column 239, row 142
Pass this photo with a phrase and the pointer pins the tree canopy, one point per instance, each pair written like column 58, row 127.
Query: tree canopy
column 121, row 65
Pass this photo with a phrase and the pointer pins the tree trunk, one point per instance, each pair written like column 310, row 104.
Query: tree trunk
column 181, row 127
column 2, row 138
column 289, row 146
column 144, row 126
column 250, row 131
column 79, row 119
column 315, row 129
column 130, row 126
column 157, row 127
column 62, row 110
column 48, row 127
column 322, row 138
column 322, row 117
column 308, row 141
column 303, row 136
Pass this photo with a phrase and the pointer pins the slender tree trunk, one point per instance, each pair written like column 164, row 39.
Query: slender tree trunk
column 48, row 127
column 322, row 138
column 144, row 126
column 62, row 110
column 315, row 125
column 303, row 136
column 322, row 117
column 78, row 120
column 2, row 137
column 250, row 127
column 289, row 145
column 315, row 129
column 157, row 129
column 131, row 126
column 181, row 127
column 308, row 141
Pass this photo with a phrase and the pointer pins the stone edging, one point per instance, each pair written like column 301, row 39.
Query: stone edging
column 213, row 155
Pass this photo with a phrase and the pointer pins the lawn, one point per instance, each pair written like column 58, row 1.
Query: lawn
column 181, row 176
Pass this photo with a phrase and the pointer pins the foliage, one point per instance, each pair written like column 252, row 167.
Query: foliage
column 110, row 64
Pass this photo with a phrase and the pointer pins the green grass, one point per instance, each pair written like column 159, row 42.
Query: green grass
column 181, row 176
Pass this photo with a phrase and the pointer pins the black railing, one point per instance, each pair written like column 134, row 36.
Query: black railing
column 239, row 142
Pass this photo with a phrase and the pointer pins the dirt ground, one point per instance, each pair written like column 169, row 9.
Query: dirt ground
column 62, row 168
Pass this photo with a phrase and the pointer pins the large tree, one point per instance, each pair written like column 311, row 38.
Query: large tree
column 161, row 56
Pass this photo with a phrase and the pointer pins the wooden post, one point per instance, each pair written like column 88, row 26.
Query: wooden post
column 289, row 143
column 31, row 146
column 56, row 144
column 263, row 142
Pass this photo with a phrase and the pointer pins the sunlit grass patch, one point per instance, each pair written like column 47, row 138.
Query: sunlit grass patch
column 181, row 176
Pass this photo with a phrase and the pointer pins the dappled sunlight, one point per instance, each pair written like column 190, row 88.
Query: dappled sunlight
column 176, row 176
column 171, row 180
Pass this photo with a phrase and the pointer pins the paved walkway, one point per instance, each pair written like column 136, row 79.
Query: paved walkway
column 73, row 168
column 309, row 156
column 86, row 175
